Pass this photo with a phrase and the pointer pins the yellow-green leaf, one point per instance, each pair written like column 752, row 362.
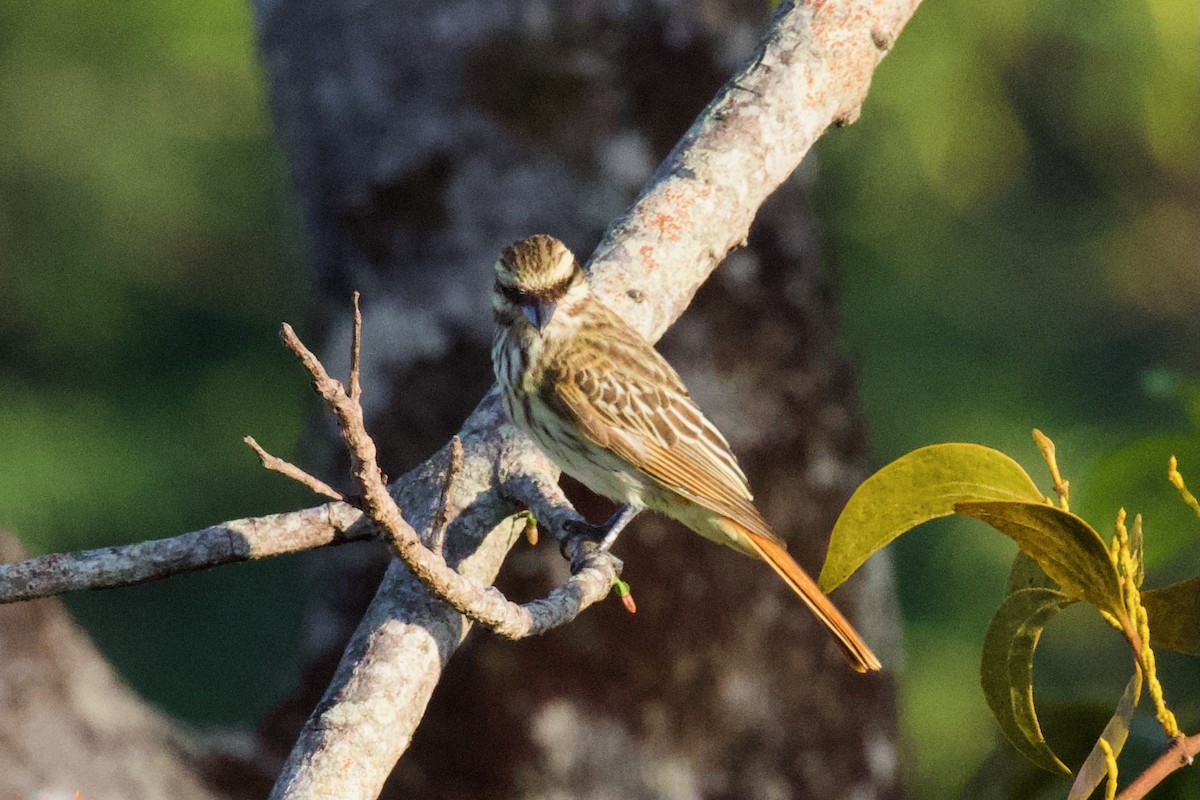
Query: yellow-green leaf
column 1174, row 616
column 1095, row 766
column 915, row 488
column 1062, row 544
column 1026, row 574
column 1006, row 670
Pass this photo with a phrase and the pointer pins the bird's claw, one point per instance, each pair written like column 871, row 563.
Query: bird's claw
column 577, row 527
column 605, row 534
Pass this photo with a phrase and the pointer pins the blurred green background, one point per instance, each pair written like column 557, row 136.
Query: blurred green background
column 1015, row 226
column 148, row 250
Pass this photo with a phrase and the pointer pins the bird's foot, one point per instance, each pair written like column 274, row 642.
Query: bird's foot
column 604, row 534
column 574, row 527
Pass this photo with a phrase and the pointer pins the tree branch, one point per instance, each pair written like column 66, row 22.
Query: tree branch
column 1181, row 753
column 228, row 543
column 594, row 570
column 437, row 538
column 813, row 68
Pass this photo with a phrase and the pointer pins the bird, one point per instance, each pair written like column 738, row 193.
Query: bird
column 612, row 413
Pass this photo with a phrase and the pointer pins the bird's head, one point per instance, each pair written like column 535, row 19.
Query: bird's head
column 534, row 276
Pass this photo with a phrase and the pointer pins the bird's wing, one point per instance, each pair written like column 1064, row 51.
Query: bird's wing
column 624, row 396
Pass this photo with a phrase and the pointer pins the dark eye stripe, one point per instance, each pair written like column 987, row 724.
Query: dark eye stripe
column 512, row 294
column 517, row 297
column 558, row 290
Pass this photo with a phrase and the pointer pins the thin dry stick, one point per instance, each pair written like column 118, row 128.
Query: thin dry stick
column 437, row 533
column 276, row 464
column 356, row 353
column 1181, row 753
column 596, row 572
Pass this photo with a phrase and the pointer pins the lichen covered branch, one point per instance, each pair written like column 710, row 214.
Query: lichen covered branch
column 228, row 543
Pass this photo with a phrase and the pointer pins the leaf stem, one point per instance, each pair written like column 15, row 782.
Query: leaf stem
column 1061, row 487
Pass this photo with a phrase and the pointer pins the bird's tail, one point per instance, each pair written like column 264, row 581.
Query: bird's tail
column 852, row 645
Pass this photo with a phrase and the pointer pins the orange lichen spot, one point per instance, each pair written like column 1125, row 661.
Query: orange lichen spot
column 666, row 226
column 647, row 254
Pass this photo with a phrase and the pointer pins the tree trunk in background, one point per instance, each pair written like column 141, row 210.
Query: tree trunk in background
column 70, row 724
column 425, row 136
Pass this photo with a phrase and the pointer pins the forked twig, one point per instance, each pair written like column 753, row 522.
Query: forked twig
column 594, row 570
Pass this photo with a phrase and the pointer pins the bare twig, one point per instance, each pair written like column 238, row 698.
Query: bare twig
column 228, row 543
column 356, row 353
column 290, row 470
column 594, row 570
column 1181, row 753
column 437, row 535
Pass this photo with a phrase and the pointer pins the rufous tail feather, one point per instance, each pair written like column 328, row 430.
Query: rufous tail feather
column 852, row 645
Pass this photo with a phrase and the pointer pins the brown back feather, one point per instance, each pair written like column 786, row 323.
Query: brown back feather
column 627, row 398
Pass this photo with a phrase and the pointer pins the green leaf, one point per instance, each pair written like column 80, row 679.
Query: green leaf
column 1095, row 768
column 1174, row 616
column 1062, row 544
column 1026, row 574
column 1006, row 670
column 915, row 488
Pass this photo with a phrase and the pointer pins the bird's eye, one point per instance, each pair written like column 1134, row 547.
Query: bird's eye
column 515, row 295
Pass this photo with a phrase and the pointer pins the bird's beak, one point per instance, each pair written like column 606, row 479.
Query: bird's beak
column 539, row 312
